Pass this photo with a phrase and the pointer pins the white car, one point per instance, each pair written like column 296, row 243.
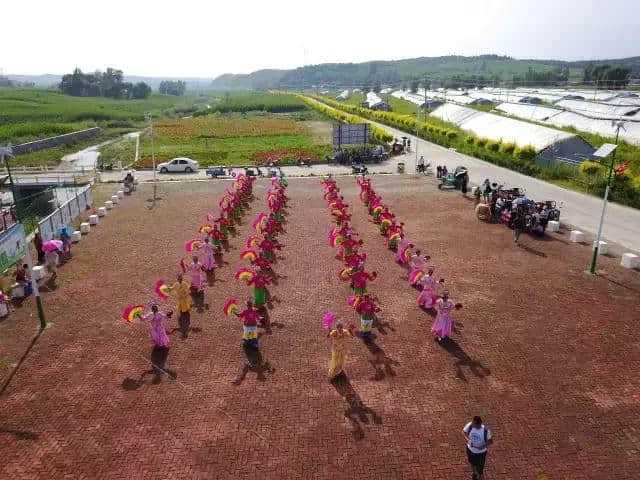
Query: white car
column 180, row 164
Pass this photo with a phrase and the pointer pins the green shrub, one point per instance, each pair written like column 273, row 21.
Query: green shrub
column 452, row 135
column 592, row 169
column 493, row 145
column 470, row 140
column 508, row 148
column 525, row 153
column 481, row 142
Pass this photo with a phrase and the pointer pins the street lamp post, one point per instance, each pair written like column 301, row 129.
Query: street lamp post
column 153, row 156
column 5, row 154
column 602, row 152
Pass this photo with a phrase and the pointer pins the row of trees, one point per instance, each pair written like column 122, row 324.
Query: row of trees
column 109, row 84
column 533, row 78
column 606, row 76
column 169, row 87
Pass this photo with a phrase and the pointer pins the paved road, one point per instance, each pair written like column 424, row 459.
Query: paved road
column 622, row 224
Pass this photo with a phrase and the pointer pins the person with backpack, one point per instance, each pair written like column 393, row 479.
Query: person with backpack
column 478, row 439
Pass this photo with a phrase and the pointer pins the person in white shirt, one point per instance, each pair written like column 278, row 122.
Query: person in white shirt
column 421, row 164
column 478, row 439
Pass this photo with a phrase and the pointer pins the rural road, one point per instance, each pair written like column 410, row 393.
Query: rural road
column 621, row 226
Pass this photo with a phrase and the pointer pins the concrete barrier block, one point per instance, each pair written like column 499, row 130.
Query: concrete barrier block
column 630, row 260
column 93, row 220
column 603, row 248
column 102, row 211
column 38, row 272
column 553, row 226
column 120, row 193
column 85, row 227
column 108, row 204
column 115, row 199
column 17, row 290
column 76, row 236
column 577, row 236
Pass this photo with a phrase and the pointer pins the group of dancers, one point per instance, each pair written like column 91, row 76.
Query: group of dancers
column 343, row 237
column 260, row 251
column 421, row 274
column 212, row 238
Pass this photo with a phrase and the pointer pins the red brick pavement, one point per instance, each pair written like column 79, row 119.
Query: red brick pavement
column 545, row 353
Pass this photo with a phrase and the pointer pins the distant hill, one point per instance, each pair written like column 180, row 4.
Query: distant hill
column 493, row 67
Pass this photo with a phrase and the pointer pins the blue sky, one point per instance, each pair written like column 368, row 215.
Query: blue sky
column 207, row 38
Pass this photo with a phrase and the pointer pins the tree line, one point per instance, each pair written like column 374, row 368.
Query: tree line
column 109, row 83
column 606, row 76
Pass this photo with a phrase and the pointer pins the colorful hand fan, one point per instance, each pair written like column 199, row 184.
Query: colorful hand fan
column 206, row 228
column 259, row 222
column 327, row 321
column 162, row 290
column 244, row 273
column 249, row 254
column 354, row 301
column 377, row 209
column 337, row 240
column 132, row 312
column 415, row 276
column 210, row 217
column 252, row 242
column 192, row 245
column 345, row 273
column 230, row 307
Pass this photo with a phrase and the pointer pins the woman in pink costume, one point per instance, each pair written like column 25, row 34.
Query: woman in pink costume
column 443, row 323
column 428, row 283
column 158, row 333
column 417, row 266
column 195, row 273
column 403, row 254
column 208, row 251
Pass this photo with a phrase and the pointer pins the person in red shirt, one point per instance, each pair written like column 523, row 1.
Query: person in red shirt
column 263, row 264
column 359, row 279
column 259, row 283
column 250, row 318
column 367, row 309
column 267, row 248
column 355, row 260
column 348, row 245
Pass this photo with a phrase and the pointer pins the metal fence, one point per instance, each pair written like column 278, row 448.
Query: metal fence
column 65, row 214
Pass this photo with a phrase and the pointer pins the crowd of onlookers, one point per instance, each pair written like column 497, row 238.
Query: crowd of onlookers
column 50, row 259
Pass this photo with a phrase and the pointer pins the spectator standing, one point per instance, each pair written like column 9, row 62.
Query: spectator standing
column 478, row 439
column 37, row 243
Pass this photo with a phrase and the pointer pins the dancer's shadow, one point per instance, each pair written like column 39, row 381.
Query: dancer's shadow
column 255, row 363
column 159, row 357
column 381, row 362
column 382, row 325
column 220, row 262
column 225, row 245
column 184, row 325
column 20, row 434
column 429, row 311
column 357, row 412
column 532, row 250
column 211, row 278
column 199, row 303
column 464, row 360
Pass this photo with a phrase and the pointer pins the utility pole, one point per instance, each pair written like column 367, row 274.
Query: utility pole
column 602, row 152
column 153, row 155
column 5, row 154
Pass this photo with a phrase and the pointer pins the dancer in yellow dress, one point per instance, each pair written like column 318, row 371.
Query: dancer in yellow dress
column 182, row 291
column 339, row 335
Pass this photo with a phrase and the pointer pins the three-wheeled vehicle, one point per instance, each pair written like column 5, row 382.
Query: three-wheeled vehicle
column 454, row 180
column 359, row 169
column 216, row 172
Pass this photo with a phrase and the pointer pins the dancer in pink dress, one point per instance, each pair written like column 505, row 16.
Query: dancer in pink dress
column 195, row 273
column 427, row 298
column 443, row 323
column 208, row 251
column 417, row 267
column 403, row 254
column 158, row 333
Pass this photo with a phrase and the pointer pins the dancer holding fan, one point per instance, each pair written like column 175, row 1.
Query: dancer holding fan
column 339, row 336
column 443, row 323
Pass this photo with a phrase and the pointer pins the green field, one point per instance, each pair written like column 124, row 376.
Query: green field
column 239, row 139
column 209, row 137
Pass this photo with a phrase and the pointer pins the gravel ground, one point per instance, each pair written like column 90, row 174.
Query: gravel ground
column 545, row 353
